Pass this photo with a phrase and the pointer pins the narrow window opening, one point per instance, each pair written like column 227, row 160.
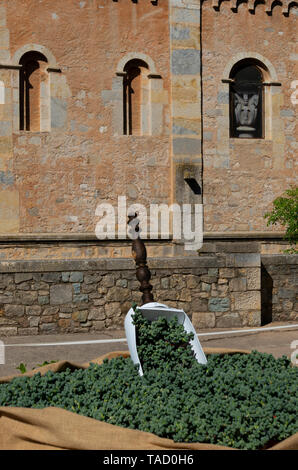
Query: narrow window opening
column 135, row 97
column 31, row 75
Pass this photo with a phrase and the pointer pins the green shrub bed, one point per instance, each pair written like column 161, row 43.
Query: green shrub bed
column 245, row 401
column 162, row 342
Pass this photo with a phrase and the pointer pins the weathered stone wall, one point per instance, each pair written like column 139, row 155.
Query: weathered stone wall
column 280, row 287
column 185, row 43
column 225, row 291
column 40, row 297
column 52, row 181
column 243, row 176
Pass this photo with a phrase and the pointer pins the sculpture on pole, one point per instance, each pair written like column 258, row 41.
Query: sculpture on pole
column 139, row 254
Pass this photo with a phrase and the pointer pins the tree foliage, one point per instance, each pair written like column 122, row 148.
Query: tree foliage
column 285, row 212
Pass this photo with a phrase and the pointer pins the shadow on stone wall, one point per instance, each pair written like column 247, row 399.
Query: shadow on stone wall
column 266, row 296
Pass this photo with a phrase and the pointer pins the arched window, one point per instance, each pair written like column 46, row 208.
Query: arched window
column 135, row 98
column 246, row 100
column 32, row 75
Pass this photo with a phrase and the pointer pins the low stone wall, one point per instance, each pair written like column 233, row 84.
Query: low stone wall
column 280, row 287
column 40, row 297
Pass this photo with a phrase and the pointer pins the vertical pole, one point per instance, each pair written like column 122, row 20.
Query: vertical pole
column 143, row 274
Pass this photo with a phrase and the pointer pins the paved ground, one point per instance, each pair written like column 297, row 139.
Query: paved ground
column 20, row 349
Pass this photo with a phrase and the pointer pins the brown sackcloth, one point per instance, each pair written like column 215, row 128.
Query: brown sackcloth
column 57, row 429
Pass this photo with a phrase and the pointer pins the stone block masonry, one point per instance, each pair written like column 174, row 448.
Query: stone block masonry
column 69, row 296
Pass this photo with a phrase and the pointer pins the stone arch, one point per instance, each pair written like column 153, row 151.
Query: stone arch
column 271, row 74
column 36, row 48
column 138, row 56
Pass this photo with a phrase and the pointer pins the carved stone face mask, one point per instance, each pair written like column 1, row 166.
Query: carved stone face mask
column 246, row 109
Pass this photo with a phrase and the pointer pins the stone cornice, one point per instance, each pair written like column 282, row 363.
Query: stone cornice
column 251, row 5
column 91, row 237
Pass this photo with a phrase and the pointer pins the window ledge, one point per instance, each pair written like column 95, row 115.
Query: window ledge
column 259, row 139
column 21, row 132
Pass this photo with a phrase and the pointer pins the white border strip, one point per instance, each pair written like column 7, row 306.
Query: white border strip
column 67, row 343
column 124, row 340
column 259, row 330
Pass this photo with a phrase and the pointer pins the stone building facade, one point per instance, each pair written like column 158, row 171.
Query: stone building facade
column 139, row 98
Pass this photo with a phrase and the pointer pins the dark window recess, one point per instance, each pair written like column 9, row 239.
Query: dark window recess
column 133, row 96
column 246, row 102
column 194, row 185
column 30, row 85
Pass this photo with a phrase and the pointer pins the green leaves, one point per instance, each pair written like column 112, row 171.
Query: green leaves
column 285, row 212
column 246, row 401
column 162, row 342
column 22, row 368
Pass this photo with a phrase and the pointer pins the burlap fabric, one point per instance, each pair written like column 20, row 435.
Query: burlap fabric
column 57, row 429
